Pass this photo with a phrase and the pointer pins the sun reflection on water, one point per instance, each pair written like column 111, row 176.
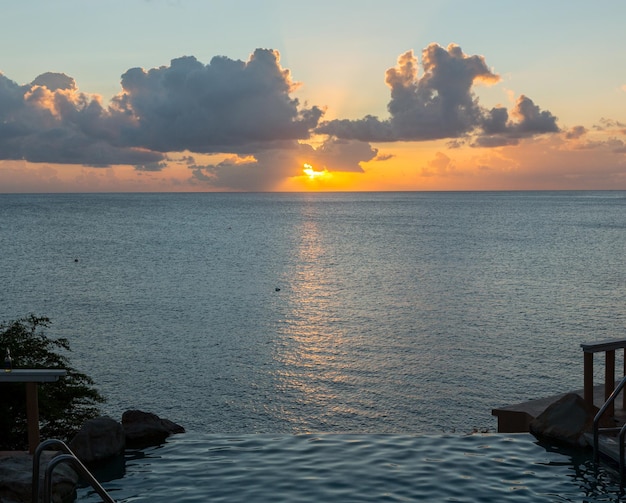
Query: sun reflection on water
column 312, row 359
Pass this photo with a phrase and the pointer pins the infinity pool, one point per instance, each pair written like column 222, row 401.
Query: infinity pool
column 355, row 468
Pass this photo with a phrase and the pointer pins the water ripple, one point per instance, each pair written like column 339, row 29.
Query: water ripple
column 359, row 468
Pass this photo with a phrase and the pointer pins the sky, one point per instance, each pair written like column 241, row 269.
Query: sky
column 276, row 95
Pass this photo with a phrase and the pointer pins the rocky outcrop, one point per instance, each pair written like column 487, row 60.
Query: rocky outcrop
column 144, row 429
column 104, row 438
column 99, row 439
column 16, row 478
column 565, row 421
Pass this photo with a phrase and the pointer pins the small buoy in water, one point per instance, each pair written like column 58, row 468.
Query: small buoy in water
column 277, row 289
column 75, row 260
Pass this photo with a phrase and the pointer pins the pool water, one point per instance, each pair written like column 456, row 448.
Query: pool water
column 358, row 468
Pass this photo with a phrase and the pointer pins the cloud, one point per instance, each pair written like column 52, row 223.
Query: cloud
column 528, row 120
column 601, row 136
column 55, row 81
column 550, row 163
column 50, row 120
column 262, row 172
column 609, row 124
column 245, row 111
column 575, row 133
column 384, row 157
column 441, row 104
column 268, row 168
column 343, row 155
column 441, row 165
column 438, row 105
column 614, row 145
column 152, row 166
column 225, row 106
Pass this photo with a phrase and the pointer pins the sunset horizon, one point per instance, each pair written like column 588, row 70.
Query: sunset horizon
column 423, row 105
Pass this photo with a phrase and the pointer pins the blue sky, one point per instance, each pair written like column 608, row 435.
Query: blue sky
column 568, row 57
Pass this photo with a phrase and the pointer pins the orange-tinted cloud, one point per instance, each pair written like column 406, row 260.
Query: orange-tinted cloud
column 163, row 128
column 49, row 120
column 268, row 168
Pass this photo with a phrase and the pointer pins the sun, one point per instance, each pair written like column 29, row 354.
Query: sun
column 311, row 173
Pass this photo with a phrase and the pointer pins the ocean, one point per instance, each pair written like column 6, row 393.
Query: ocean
column 327, row 347
column 367, row 313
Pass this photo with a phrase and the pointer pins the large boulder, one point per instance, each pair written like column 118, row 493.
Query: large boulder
column 145, row 429
column 99, row 439
column 16, row 478
column 565, row 421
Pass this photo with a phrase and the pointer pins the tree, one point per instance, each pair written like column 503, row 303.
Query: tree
column 63, row 406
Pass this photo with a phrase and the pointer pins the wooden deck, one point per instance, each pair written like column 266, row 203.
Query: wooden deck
column 516, row 418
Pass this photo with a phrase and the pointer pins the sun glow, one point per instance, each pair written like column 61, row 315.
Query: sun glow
column 311, row 173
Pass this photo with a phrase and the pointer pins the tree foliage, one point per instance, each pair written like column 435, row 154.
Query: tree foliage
column 63, row 405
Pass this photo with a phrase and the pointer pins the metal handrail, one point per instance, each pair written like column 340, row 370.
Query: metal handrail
column 622, row 435
column 83, row 472
column 597, row 429
column 69, row 457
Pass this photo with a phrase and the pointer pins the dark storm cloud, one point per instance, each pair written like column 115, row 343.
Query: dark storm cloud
column 441, row 104
column 225, row 106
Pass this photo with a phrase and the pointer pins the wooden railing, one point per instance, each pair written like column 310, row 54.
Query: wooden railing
column 609, row 348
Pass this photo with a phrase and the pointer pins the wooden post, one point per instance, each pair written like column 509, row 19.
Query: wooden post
column 588, row 377
column 31, row 378
column 609, row 348
column 32, row 414
column 609, row 379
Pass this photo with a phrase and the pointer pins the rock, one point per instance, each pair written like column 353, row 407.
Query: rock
column 565, row 421
column 16, row 478
column 99, row 439
column 144, row 429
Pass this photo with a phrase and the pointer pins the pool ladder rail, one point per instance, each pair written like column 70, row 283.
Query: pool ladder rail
column 607, row 445
column 68, row 457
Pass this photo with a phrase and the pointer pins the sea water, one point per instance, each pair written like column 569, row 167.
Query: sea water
column 369, row 313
